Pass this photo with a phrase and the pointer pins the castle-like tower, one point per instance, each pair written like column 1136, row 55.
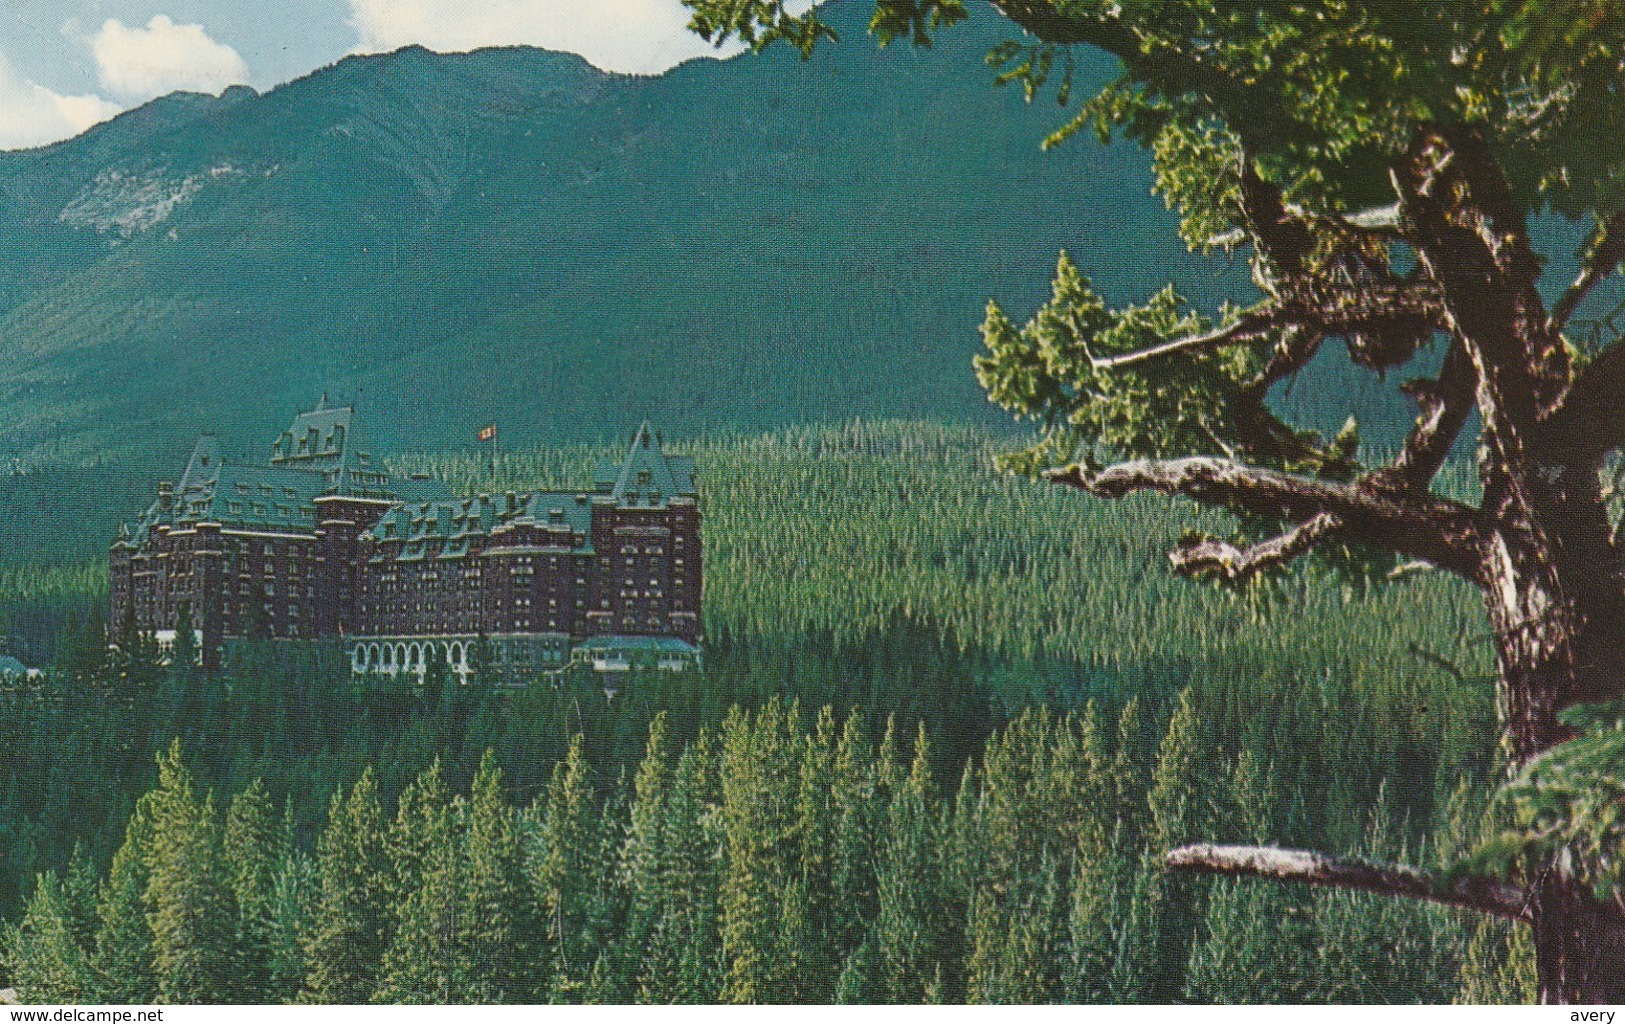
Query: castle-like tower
column 322, row 543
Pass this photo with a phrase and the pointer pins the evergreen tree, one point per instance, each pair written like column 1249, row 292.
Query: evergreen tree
column 41, row 954
column 255, row 857
column 684, row 962
column 644, row 855
column 1499, row 966
column 561, row 836
column 1179, row 808
column 123, row 960
column 1373, row 950
column 1257, row 941
column 188, row 891
column 496, row 939
column 294, row 899
column 425, row 962
column 758, row 812
column 349, row 925
column 909, row 939
column 856, row 808
column 183, row 656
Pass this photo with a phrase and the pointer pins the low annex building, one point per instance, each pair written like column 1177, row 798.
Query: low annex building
column 323, row 544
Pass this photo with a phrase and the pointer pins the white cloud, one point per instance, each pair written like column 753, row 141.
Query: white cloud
column 140, row 63
column 32, row 115
column 644, row 36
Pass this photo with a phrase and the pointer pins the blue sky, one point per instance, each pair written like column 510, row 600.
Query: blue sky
column 66, row 64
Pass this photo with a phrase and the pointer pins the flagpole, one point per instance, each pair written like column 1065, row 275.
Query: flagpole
column 490, row 434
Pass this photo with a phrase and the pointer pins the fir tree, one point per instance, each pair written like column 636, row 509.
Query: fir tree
column 909, row 937
column 498, row 926
column 188, row 891
column 1499, row 966
column 1179, row 808
column 123, row 960
column 349, row 925
column 684, row 962
column 295, row 894
column 41, row 954
column 183, row 656
column 561, row 835
column 255, row 857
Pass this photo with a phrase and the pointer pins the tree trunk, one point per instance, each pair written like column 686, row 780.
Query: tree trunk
column 1556, row 606
column 1579, row 945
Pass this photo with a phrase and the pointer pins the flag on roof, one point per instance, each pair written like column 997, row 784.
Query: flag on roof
column 488, row 433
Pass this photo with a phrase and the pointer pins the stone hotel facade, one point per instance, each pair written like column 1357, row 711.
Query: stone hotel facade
column 322, row 543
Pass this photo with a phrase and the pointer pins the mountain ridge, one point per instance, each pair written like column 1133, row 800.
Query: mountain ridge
column 514, row 235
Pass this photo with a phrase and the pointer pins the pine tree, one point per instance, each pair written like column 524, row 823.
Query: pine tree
column 909, row 937
column 123, row 960
column 183, row 656
column 255, row 857
column 187, row 889
column 560, row 834
column 424, row 962
column 1258, row 943
column 1375, row 950
column 684, row 963
column 1178, row 806
column 856, row 809
column 79, row 889
column 41, row 954
column 644, row 853
column 1254, row 948
column 758, row 813
column 496, row 939
column 420, row 831
column 294, row 899
column 814, row 932
column 349, row 925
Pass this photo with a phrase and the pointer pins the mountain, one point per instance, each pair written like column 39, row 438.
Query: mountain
column 513, row 236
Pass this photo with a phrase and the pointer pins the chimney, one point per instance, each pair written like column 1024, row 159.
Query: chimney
column 166, row 495
column 513, row 502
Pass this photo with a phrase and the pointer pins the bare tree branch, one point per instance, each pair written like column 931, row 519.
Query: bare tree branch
column 1606, row 250
column 1424, row 526
column 1382, row 221
column 1484, row 895
column 1445, row 403
column 1249, row 327
column 1210, row 555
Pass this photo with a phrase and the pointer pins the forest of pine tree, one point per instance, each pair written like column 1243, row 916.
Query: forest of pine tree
column 785, row 855
column 947, row 778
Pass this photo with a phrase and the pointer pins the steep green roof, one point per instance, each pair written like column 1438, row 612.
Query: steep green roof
column 648, row 476
column 448, row 529
column 316, row 457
